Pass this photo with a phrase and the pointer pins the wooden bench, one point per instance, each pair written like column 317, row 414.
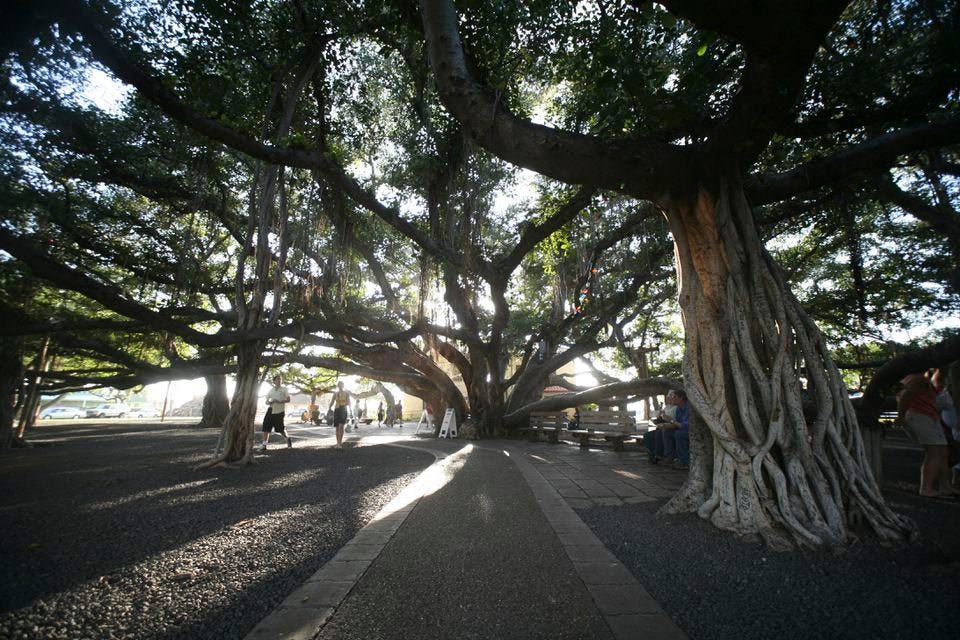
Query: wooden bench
column 547, row 422
column 613, row 426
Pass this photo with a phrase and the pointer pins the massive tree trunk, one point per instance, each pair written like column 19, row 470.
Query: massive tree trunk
column 749, row 342
column 216, row 405
column 31, row 406
column 235, row 445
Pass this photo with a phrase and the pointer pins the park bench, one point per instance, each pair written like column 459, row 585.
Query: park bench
column 547, row 422
column 613, row 426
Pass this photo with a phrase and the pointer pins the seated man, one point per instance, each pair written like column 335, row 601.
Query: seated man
column 676, row 434
column 653, row 440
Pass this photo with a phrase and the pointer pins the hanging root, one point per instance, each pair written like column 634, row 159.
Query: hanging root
column 774, row 474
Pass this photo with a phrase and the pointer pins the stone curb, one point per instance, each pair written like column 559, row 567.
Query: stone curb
column 631, row 612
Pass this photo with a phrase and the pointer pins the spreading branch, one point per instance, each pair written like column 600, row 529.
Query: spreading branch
column 646, row 386
column 872, row 154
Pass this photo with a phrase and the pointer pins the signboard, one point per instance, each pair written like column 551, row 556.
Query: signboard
column 425, row 419
column 449, row 427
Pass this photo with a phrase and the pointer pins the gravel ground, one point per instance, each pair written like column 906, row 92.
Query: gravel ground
column 716, row 587
column 108, row 533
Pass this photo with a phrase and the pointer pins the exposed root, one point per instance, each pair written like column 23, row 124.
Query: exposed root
column 219, row 461
column 222, row 462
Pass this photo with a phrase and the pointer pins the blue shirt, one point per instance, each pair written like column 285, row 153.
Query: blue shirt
column 683, row 416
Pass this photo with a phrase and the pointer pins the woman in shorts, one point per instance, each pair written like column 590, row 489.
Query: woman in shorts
column 917, row 412
column 339, row 403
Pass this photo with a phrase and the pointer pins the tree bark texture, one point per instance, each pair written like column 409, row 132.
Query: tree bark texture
column 11, row 378
column 764, row 471
column 28, row 415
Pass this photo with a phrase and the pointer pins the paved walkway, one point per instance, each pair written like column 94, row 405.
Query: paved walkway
column 486, row 544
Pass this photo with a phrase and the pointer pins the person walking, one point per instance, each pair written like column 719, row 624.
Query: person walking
column 339, row 404
column 380, row 414
column 277, row 399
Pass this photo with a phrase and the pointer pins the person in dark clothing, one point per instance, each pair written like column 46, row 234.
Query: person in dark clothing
column 674, row 434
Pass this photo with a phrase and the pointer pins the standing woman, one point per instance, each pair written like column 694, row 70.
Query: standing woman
column 942, row 380
column 917, row 412
column 339, row 403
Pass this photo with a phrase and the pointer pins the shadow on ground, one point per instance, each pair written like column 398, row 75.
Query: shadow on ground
column 109, row 530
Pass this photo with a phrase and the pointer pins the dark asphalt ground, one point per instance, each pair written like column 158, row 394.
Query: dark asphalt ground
column 108, row 533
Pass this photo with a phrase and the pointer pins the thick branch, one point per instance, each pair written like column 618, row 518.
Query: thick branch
column 402, row 378
column 871, row 154
column 759, row 25
column 47, row 268
column 650, row 386
column 535, row 233
column 894, row 370
column 644, row 167
column 184, row 371
column 42, row 328
column 947, row 223
column 152, row 89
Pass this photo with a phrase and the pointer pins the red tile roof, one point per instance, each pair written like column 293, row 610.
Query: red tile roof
column 556, row 389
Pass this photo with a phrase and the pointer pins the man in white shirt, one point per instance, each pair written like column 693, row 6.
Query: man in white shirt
column 277, row 399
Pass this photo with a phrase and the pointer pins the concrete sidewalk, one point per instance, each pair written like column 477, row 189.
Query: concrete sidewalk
column 485, row 544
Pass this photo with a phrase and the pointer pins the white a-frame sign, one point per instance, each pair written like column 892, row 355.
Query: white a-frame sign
column 449, row 427
column 425, row 419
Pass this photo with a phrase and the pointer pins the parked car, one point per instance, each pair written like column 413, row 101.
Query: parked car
column 62, row 413
column 109, row 410
column 145, row 412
